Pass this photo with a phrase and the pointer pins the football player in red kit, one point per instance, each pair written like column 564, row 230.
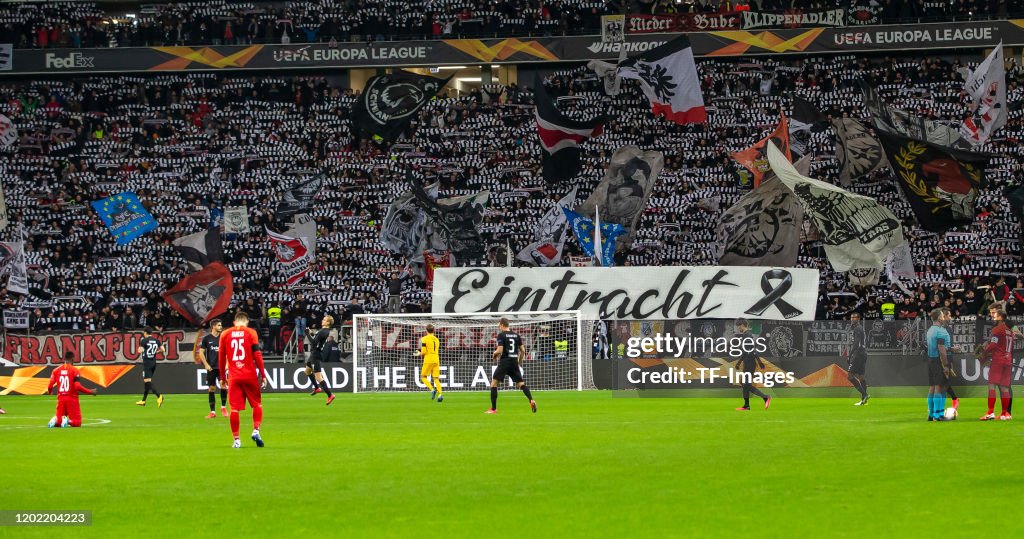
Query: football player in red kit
column 1000, row 352
column 241, row 364
column 65, row 379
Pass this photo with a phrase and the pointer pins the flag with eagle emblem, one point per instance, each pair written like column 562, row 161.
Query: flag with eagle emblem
column 668, row 77
column 295, row 248
column 390, row 102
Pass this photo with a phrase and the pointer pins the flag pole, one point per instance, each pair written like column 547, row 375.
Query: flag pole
column 598, row 251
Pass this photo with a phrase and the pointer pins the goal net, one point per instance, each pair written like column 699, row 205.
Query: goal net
column 558, row 350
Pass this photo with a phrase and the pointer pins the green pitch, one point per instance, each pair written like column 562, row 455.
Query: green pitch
column 586, row 464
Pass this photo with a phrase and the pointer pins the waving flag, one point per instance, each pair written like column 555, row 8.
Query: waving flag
column 902, row 123
column 298, row 199
column 807, row 119
column 561, row 137
column 763, row 227
column 390, row 102
column 625, row 189
column 549, row 236
column 236, row 220
column 586, row 233
column 940, row 183
column 858, row 153
column 755, row 158
column 12, row 262
column 124, row 216
column 201, row 248
column 202, row 295
column 295, row 249
column 986, row 87
column 857, row 231
column 668, row 77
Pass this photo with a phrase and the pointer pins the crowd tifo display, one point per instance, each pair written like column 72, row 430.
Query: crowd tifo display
column 58, row 24
column 112, row 184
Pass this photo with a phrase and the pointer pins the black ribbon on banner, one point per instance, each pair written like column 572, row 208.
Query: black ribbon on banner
column 773, row 295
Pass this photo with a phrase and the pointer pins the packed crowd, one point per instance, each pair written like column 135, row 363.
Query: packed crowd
column 86, row 24
column 190, row 145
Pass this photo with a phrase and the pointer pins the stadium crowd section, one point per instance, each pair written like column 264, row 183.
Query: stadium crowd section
column 190, row 143
column 86, row 24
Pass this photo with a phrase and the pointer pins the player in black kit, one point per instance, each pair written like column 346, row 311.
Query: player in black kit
column 207, row 351
column 317, row 353
column 858, row 359
column 749, row 362
column 149, row 347
column 510, row 349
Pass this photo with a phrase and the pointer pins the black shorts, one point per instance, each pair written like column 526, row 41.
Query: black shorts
column 212, row 377
column 858, row 364
column 936, row 376
column 510, row 369
column 314, row 363
column 148, row 370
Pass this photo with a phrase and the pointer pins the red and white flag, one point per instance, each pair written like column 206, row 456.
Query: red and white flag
column 295, row 248
column 668, row 77
column 986, row 88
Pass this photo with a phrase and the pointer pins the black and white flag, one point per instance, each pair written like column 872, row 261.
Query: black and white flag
column 859, row 154
column 763, row 227
column 453, row 223
column 201, row 248
column 561, row 137
column 857, row 231
column 623, row 192
column 668, row 77
column 905, row 124
column 806, row 119
column 298, row 199
column 390, row 102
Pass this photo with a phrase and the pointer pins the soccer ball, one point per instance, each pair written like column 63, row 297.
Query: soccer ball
column 951, row 413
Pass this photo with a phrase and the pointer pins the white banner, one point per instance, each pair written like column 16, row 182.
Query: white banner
column 15, row 319
column 794, row 19
column 12, row 261
column 632, row 293
column 236, row 220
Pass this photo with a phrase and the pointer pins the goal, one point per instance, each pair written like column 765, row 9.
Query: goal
column 558, row 350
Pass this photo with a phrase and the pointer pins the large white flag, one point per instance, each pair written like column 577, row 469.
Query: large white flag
column 986, row 86
column 668, row 77
column 857, row 231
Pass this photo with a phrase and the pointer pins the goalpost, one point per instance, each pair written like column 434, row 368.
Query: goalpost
column 558, row 350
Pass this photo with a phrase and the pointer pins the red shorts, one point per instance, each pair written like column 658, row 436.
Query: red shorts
column 68, row 406
column 999, row 373
column 240, row 391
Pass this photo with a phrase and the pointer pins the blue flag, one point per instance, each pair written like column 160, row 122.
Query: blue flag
column 583, row 229
column 124, row 216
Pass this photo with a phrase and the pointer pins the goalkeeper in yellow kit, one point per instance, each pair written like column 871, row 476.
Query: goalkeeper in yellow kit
column 429, row 347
